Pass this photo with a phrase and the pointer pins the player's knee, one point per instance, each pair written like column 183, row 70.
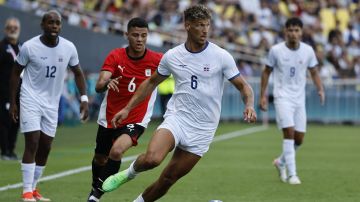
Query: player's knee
column 100, row 159
column 31, row 146
column 116, row 154
column 152, row 160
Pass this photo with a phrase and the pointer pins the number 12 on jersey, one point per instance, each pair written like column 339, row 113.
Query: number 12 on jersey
column 50, row 71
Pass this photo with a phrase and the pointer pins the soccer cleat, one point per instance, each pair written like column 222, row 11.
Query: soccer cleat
column 294, row 180
column 281, row 170
column 28, row 196
column 115, row 181
column 38, row 196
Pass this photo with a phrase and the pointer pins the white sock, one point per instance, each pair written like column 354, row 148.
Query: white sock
column 289, row 155
column 131, row 171
column 281, row 158
column 28, row 170
column 37, row 174
column 139, row 199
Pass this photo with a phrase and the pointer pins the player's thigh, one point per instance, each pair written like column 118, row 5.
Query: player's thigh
column 123, row 143
column 300, row 119
column 180, row 164
column 30, row 116
column 161, row 143
column 104, row 140
column 284, row 114
column 49, row 120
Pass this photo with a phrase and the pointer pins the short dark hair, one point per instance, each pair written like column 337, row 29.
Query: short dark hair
column 197, row 12
column 47, row 14
column 137, row 22
column 294, row 21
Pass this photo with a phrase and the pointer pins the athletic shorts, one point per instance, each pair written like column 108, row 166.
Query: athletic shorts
column 34, row 117
column 106, row 136
column 187, row 137
column 290, row 114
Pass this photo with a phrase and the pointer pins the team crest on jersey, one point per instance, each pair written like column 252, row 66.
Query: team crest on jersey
column 206, row 67
column 300, row 62
column 147, row 72
column 61, row 59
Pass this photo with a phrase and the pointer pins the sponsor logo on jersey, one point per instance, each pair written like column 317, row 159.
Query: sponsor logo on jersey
column 43, row 58
column 147, row 72
column 121, row 68
column 183, row 66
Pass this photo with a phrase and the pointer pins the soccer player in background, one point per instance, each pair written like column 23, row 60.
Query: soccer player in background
column 9, row 48
column 44, row 59
column 289, row 61
column 122, row 73
column 199, row 68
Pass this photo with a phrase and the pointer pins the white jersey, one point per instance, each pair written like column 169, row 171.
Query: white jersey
column 199, row 82
column 289, row 70
column 45, row 70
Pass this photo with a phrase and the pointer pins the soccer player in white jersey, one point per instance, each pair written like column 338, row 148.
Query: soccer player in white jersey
column 44, row 60
column 199, row 68
column 289, row 61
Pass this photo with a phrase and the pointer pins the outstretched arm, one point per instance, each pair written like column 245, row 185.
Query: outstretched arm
column 144, row 90
column 247, row 96
column 264, row 82
column 81, row 85
column 317, row 81
column 14, row 83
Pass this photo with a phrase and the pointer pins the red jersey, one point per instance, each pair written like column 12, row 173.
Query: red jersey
column 133, row 72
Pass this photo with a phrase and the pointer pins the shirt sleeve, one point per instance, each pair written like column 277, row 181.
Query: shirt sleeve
column 313, row 60
column 229, row 67
column 110, row 63
column 163, row 68
column 74, row 58
column 23, row 56
column 271, row 59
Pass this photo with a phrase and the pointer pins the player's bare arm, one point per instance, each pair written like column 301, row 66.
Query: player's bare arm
column 264, row 82
column 81, row 85
column 105, row 82
column 14, row 86
column 317, row 81
column 247, row 96
column 144, row 90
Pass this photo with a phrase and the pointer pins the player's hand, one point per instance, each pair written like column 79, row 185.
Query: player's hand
column 119, row 117
column 84, row 111
column 249, row 115
column 322, row 97
column 263, row 103
column 113, row 84
column 13, row 111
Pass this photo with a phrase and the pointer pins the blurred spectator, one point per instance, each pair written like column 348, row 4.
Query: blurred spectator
column 240, row 26
column 9, row 48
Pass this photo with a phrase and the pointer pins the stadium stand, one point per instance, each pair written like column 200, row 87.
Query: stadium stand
column 246, row 28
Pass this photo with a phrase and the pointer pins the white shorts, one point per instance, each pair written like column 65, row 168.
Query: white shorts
column 187, row 137
column 34, row 117
column 290, row 114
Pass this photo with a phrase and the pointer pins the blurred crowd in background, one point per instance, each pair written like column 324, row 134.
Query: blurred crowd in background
column 246, row 28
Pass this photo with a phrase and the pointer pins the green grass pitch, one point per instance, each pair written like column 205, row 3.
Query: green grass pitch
column 237, row 169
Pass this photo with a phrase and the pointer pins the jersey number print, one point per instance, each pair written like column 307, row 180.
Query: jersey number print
column 194, row 82
column 50, row 71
